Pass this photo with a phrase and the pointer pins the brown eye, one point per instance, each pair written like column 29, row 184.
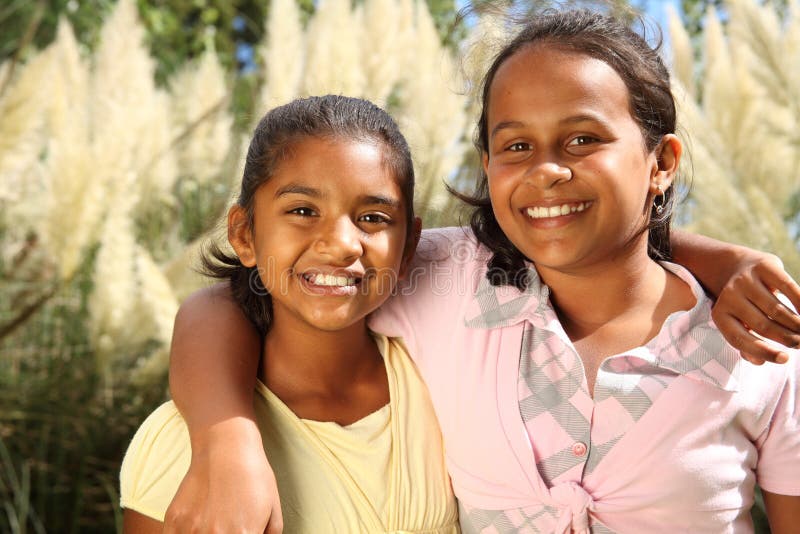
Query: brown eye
column 582, row 140
column 303, row 212
column 374, row 218
column 518, row 147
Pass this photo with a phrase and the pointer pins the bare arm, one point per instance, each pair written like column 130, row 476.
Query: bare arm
column 214, row 360
column 215, row 350
column 783, row 512
column 744, row 281
column 136, row 523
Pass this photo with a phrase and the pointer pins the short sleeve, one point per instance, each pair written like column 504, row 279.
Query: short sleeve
column 779, row 449
column 155, row 463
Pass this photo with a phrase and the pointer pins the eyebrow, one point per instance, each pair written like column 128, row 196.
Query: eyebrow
column 381, row 200
column 584, row 117
column 297, row 189
column 505, row 125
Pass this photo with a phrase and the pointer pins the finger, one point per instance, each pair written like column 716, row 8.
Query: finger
column 753, row 348
column 275, row 525
column 766, row 327
column 756, row 315
column 781, row 281
column 770, row 304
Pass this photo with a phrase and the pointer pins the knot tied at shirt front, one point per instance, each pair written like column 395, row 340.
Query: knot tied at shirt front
column 574, row 504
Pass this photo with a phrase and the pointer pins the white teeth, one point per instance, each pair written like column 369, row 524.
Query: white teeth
column 331, row 280
column 543, row 212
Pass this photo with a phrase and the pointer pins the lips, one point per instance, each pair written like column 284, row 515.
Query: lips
column 556, row 210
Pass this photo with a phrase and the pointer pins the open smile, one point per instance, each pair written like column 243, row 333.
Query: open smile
column 337, row 284
column 559, row 210
column 330, row 280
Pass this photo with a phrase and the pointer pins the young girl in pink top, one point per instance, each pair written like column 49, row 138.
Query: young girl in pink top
column 578, row 379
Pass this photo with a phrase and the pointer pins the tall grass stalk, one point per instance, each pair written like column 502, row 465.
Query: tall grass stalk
column 740, row 111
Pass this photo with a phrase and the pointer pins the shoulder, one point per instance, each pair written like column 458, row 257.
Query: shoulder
column 444, row 254
column 163, row 428
column 450, row 243
column 155, row 462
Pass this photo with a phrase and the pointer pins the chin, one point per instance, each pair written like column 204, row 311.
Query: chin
column 332, row 324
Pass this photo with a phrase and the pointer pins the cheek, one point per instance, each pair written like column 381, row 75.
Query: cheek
column 386, row 249
column 273, row 277
column 501, row 190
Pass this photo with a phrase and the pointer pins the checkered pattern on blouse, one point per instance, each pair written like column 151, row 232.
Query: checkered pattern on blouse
column 570, row 432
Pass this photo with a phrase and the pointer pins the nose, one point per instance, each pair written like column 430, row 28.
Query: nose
column 547, row 174
column 340, row 241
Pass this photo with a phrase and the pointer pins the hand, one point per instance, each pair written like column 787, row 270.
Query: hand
column 229, row 488
column 747, row 310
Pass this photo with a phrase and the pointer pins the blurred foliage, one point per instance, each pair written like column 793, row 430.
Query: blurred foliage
column 60, row 440
column 177, row 29
column 694, row 11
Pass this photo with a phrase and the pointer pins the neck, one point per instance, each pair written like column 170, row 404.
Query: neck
column 319, row 360
column 590, row 298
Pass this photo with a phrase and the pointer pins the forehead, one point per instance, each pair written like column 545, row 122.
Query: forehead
column 546, row 77
column 339, row 167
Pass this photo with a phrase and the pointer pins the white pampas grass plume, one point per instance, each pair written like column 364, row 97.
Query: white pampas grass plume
column 479, row 50
column 283, row 55
column 744, row 145
column 181, row 271
column 433, row 114
column 130, row 115
column 132, row 304
column 73, row 194
column 757, row 28
column 156, row 167
column 199, row 99
column 381, row 40
column 115, row 292
column 333, row 61
column 406, row 31
column 153, row 315
column 682, row 53
column 23, row 109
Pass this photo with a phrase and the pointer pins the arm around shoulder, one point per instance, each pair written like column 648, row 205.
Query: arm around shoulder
column 214, row 348
column 745, row 282
column 214, row 360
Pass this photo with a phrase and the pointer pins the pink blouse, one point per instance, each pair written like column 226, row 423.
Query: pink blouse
column 677, row 435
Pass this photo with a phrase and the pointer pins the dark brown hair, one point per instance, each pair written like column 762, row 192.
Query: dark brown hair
column 329, row 116
column 639, row 65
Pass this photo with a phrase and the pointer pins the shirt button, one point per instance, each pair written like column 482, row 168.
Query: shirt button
column 579, row 448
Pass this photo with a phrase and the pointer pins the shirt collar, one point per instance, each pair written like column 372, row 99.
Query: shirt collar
column 688, row 343
column 500, row 306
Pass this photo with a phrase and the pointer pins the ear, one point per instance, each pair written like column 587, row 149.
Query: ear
column 240, row 236
column 485, row 162
column 668, row 159
column 410, row 248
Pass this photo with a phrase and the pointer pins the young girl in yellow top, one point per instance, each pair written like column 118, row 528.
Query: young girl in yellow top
column 322, row 228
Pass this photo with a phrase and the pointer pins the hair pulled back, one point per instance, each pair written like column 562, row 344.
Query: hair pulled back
column 330, row 116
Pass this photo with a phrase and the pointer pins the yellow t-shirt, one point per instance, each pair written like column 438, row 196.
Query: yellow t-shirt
column 383, row 473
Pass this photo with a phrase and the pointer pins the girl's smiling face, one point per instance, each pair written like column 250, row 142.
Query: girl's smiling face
column 329, row 233
column 570, row 179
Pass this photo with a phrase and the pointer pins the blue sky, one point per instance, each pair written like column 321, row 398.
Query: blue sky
column 657, row 10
